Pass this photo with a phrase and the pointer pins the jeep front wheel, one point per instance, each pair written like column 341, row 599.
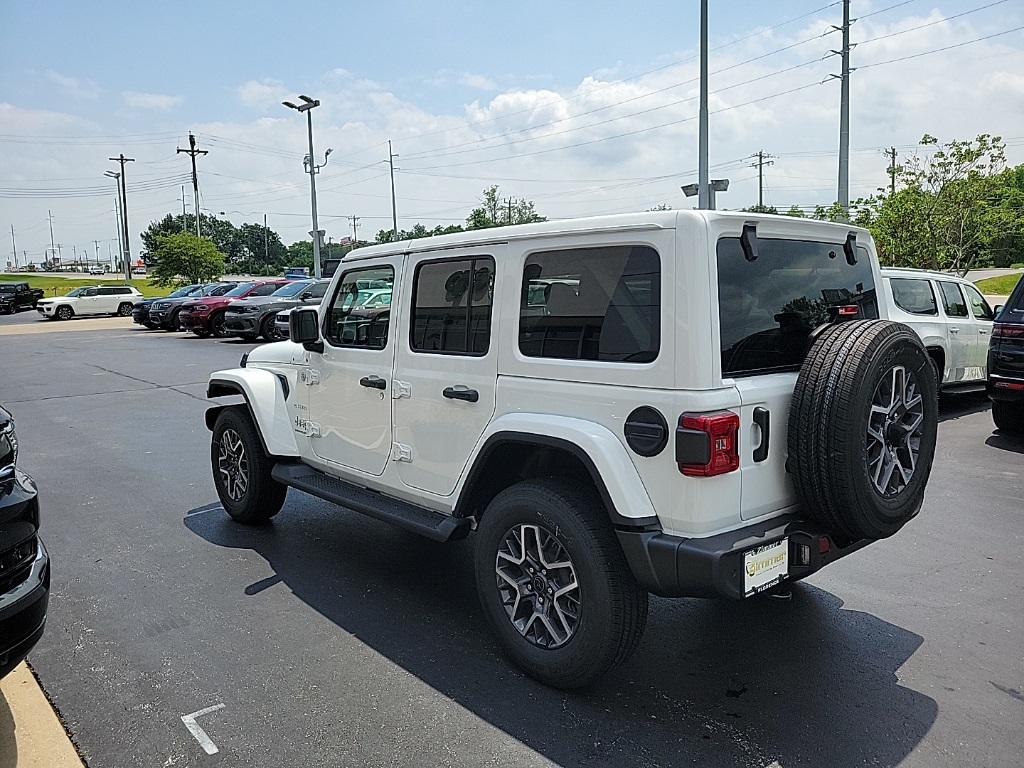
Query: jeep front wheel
column 862, row 428
column 241, row 469
column 555, row 585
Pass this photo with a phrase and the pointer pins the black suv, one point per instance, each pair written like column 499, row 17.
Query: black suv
column 24, row 565
column 163, row 313
column 1005, row 384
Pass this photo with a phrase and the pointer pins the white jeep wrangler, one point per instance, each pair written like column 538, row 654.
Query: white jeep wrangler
column 688, row 403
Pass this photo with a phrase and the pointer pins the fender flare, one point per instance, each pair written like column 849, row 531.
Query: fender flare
column 264, row 394
column 597, row 448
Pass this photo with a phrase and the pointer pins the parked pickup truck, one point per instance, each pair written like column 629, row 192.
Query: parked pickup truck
column 15, row 296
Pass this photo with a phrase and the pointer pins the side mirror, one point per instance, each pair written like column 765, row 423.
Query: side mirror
column 304, row 329
column 996, row 310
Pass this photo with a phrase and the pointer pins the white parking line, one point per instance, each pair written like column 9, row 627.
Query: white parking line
column 204, row 740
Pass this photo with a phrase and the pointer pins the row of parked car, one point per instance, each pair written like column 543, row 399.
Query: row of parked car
column 248, row 310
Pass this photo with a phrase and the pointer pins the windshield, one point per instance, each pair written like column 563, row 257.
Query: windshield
column 292, row 289
column 8, row 288
column 76, row 292
column 186, row 291
column 238, row 290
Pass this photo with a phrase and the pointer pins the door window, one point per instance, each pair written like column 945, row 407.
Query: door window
column 263, row 290
column 452, row 307
column 979, row 307
column 914, row 296
column 952, row 299
column 592, row 304
column 346, row 323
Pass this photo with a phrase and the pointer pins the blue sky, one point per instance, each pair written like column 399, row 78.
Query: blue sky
column 583, row 109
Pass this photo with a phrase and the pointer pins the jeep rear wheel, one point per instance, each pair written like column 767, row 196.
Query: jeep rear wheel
column 555, row 585
column 241, row 469
column 862, row 428
column 124, row 309
column 1008, row 417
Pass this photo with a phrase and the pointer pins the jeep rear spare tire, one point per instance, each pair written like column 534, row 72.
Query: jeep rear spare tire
column 554, row 583
column 862, row 428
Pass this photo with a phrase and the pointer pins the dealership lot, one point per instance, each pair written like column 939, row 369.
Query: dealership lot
column 326, row 638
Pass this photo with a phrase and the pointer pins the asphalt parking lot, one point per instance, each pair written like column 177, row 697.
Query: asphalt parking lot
column 329, row 639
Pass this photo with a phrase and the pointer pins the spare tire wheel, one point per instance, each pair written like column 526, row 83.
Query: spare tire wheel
column 862, row 428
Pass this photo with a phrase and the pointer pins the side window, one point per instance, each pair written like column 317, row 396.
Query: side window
column 451, row 306
column 107, row 291
column 346, row 323
column 979, row 307
column 263, row 290
column 90, row 292
column 914, row 296
column 952, row 299
column 592, row 304
column 318, row 291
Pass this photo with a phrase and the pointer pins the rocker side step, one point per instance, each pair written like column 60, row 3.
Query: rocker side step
column 426, row 522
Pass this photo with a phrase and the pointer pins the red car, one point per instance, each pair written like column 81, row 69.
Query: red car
column 205, row 316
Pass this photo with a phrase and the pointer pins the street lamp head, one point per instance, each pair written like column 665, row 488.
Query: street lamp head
column 305, row 98
column 112, row 174
column 329, row 150
column 689, row 189
column 289, row 105
column 720, row 185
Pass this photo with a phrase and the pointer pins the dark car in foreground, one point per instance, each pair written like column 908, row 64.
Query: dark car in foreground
column 140, row 312
column 1005, row 384
column 24, row 564
column 164, row 312
column 18, row 296
column 254, row 316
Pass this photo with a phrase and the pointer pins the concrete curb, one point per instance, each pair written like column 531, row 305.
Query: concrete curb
column 31, row 736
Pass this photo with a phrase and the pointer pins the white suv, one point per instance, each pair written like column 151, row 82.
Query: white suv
column 688, row 403
column 950, row 315
column 91, row 300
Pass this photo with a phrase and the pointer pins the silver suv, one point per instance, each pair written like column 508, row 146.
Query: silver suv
column 688, row 403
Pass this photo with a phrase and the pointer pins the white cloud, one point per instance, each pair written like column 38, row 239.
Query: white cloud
column 263, row 93
column 478, row 82
column 151, row 101
column 79, row 87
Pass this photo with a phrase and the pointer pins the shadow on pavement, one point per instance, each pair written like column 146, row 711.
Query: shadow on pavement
column 801, row 681
column 8, row 736
column 953, row 406
column 1005, row 442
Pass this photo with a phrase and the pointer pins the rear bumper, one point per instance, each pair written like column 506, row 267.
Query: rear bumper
column 672, row 566
column 1005, row 388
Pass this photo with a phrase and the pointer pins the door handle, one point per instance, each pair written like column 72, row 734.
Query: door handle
column 374, row 382
column 762, row 417
column 469, row 395
column 983, row 331
column 954, row 330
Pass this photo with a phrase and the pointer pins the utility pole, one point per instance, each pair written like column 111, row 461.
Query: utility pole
column 355, row 230
column 183, row 206
column 192, row 152
column 394, row 205
column 308, row 104
column 96, row 250
column 14, row 245
column 762, row 161
column 124, row 217
column 53, row 249
column 266, row 241
column 891, row 154
column 844, row 109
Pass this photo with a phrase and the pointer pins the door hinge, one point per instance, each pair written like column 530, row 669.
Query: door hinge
column 401, row 452
column 309, row 377
column 400, row 389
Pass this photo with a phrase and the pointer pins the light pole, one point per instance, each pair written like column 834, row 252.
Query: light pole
column 715, row 185
column 307, row 105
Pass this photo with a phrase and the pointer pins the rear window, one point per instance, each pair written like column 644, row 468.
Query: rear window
column 768, row 307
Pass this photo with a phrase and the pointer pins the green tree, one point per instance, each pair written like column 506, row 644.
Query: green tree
column 183, row 258
column 418, row 231
column 796, row 212
column 761, row 209
column 261, row 244
column 221, row 232
column 495, row 212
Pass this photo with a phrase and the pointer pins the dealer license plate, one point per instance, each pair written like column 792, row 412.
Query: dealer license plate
column 765, row 567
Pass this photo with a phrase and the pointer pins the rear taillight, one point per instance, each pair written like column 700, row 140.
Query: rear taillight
column 1007, row 331
column 706, row 443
